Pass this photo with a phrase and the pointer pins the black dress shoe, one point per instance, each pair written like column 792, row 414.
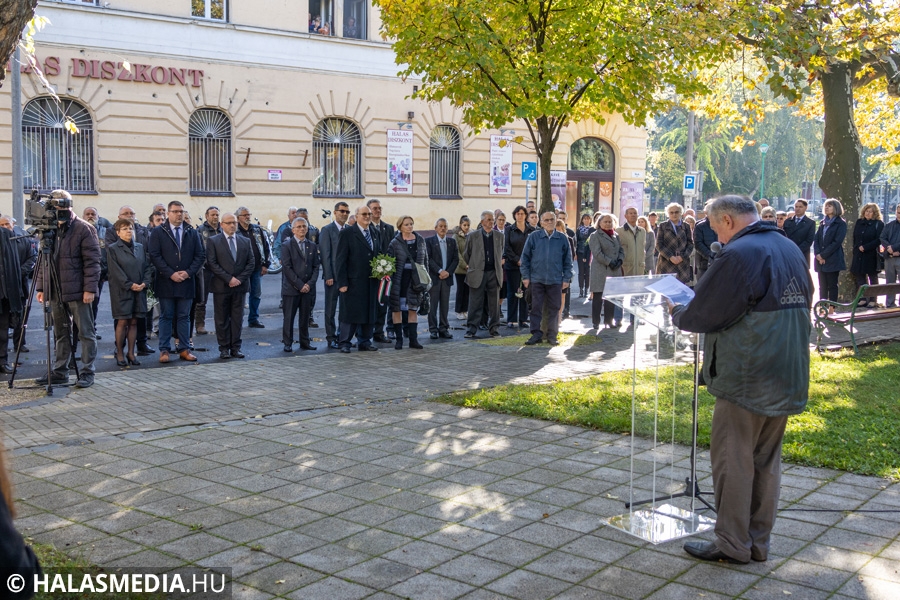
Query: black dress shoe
column 446, row 335
column 224, row 355
column 367, row 349
column 534, row 339
column 380, row 338
column 345, row 350
column 307, row 347
column 5, row 368
column 145, row 350
column 256, row 325
column 288, row 348
column 434, row 335
column 334, row 345
column 709, row 551
column 237, row 354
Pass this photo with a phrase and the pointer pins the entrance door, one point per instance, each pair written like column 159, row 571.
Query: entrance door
column 592, row 167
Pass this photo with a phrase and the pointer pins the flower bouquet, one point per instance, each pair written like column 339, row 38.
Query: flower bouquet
column 383, row 266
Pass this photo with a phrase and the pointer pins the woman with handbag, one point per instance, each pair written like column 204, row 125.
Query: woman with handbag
column 407, row 294
column 607, row 258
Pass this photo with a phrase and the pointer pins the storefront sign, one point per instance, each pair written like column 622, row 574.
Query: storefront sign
column 632, row 197
column 399, row 161
column 501, row 165
column 122, row 71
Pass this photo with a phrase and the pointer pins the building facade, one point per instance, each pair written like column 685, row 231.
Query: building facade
column 268, row 104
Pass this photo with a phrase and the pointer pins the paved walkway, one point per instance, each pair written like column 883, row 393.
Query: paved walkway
column 332, row 476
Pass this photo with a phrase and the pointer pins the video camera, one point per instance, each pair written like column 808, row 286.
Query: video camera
column 42, row 210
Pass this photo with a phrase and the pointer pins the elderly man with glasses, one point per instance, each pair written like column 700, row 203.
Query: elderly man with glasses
column 357, row 246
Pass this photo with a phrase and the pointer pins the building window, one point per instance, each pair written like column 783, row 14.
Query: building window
column 356, row 21
column 321, row 17
column 443, row 179
column 590, row 154
column 53, row 157
column 337, row 164
column 209, row 9
column 209, row 133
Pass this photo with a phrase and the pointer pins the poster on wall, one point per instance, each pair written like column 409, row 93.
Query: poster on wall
column 606, row 196
column 558, row 189
column 501, row 165
column 399, row 161
column 632, row 197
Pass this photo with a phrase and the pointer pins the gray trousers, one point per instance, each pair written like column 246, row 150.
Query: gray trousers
column 440, row 305
column 891, row 270
column 83, row 317
column 488, row 292
column 745, row 452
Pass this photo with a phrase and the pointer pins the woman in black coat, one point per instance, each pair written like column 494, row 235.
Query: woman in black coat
column 583, row 254
column 866, row 239
column 129, row 276
column 513, row 244
column 828, row 248
column 407, row 292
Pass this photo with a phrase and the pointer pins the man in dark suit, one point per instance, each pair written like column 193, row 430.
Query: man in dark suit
column 484, row 255
column 176, row 250
column 800, row 229
column 327, row 253
column 300, row 268
column 443, row 259
column 386, row 234
column 357, row 246
column 231, row 263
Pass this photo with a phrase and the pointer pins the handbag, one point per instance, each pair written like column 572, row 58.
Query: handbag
column 424, row 277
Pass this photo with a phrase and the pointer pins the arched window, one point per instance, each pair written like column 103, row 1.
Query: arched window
column 337, row 164
column 591, row 154
column 209, row 137
column 591, row 176
column 443, row 180
column 53, row 157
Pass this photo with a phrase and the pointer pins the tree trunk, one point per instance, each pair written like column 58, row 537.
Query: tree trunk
column 842, row 174
column 545, row 146
column 14, row 15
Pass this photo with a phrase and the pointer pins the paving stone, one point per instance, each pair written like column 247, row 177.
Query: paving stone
column 729, row 582
column 460, row 537
column 852, row 540
column 836, row 558
column 807, row 574
column 330, row 558
column 332, row 587
column 198, row 546
column 766, row 589
column 282, row 577
column 882, row 568
column 422, row 555
column 330, row 529
column 510, row 551
column 624, row 583
column 567, row 567
column 378, row 573
column 428, row 585
column 545, row 534
column 528, row 586
column 156, row 533
column 244, row 531
column 677, row 591
column 871, row 588
column 241, row 560
column 108, row 549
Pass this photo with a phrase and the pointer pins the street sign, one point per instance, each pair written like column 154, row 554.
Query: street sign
column 690, row 185
column 529, row 171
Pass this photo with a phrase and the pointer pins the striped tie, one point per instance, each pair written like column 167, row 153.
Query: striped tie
column 368, row 238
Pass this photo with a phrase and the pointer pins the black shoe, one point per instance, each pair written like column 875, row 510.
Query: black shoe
column 380, row 338
column 469, row 335
column 224, row 355
column 256, row 325
column 5, row 368
column 121, row 363
column 553, row 341
column 288, row 347
column 446, row 335
column 495, row 333
column 434, row 335
column 97, row 336
column 133, row 361
column 54, row 379
column 313, row 324
column 307, row 347
column 27, row 349
column 145, row 350
column 709, row 551
column 334, row 345
column 237, row 354
column 534, row 339
column 367, row 349
column 85, row 380
column 482, row 327
column 345, row 350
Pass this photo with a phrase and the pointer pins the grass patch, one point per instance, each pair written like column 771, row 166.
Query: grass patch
column 565, row 340
column 851, row 423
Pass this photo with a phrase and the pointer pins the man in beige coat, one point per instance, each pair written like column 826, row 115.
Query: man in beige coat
column 484, row 255
column 634, row 241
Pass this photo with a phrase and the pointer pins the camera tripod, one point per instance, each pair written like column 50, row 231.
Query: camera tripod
column 51, row 293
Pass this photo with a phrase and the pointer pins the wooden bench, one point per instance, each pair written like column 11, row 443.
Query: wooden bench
column 846, row 315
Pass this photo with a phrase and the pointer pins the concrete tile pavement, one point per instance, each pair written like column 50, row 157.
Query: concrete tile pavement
column 312, row 485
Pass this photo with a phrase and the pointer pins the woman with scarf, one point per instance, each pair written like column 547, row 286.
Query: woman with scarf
column 607, row 255
column 129, row 275
column 828, row 248
column 675, row 244
column 583, row 254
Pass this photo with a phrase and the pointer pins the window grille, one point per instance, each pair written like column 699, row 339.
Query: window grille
column 209, row 9
column 53, row 157
column 443, row 179
column 337, row 159
column 209, row 133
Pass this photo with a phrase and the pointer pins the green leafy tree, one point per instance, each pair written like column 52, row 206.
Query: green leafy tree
column 552, row 62
column 14, row 16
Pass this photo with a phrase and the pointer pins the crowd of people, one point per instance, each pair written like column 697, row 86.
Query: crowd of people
column 160, row 275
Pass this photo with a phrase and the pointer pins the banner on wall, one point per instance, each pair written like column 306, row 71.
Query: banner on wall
column 501, row 165
column 632, row 197
column 605, row 193
column 399, row 161
column 558, row 189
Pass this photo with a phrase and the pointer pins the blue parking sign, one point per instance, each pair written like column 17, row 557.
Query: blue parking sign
column 690, row 185
column 529, row 171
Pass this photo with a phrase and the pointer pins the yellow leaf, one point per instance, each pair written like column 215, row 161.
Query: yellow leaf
column 71, row 127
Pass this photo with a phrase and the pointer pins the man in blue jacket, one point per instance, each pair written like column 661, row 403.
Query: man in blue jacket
column 547, row 270
column 752, row 304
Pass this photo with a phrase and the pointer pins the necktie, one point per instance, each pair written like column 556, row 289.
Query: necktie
column 302, row 250
column 232, row 247
column 178, row 237
column 443, row 254
column 368, row 238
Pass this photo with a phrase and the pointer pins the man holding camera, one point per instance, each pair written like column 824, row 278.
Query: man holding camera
column 76, row 257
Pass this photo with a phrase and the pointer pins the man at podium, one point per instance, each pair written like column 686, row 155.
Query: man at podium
column 752, row 304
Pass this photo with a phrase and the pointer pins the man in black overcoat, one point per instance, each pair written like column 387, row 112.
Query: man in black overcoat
column 231, row 262
column 357, row 246
column 385, row 233
column 800, row 229
column 300, row 268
